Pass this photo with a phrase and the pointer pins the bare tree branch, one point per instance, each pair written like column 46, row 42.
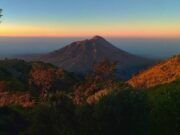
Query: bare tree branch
column 0, row 12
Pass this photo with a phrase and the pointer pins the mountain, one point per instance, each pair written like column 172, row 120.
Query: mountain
column 80, row 56
column 162, row 73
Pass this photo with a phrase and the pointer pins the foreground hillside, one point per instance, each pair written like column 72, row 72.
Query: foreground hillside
column 22, row 82
column 38, row 98
column 163, row 73
column 122, row 111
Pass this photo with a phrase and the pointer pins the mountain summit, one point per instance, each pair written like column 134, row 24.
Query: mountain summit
column 80, row 56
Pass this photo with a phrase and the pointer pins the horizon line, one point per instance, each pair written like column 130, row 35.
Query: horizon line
column 90, row 36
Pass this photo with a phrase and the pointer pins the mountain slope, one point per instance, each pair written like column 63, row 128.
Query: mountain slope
column 80, row 56
column 165, row 72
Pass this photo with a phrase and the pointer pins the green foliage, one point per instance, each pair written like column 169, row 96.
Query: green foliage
column 131, row 112
column 16, row 68
column 123, row 112
column 165, row 113
column 54, row 118
column 18, row 76
column 15, row 73
column 1, row 13
column 12, row 121
column 87, row 123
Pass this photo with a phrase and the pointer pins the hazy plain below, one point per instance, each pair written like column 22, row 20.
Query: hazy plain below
column 152, row 48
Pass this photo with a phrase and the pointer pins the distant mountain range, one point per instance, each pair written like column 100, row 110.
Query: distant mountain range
column 80, row 56
column 162, row 73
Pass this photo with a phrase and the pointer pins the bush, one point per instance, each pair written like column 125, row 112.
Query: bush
column 165, row 105
column 12, row 121
column 122, row 112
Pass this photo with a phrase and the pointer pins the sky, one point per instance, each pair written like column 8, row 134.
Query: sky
column 77, row 18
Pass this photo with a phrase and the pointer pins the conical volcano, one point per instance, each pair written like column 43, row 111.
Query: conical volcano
column 80, row 56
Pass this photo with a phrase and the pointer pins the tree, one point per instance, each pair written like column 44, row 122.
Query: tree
column 0, row 13
column 105, row 70
column 43, row 77
column 101, row 78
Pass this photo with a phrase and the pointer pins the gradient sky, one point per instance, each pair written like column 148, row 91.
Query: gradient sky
column 114, row 18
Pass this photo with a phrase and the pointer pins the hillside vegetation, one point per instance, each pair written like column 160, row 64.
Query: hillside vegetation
column 23, row 82
column 51, row 101
column 163, row 73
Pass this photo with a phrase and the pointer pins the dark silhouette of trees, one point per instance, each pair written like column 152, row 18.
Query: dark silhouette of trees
column 123, row 112
column 12, row 121
column 1, row 13
column 165, row 113
column 54, row 118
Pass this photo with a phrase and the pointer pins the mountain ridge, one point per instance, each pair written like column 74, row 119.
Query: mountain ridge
column 162, row 73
